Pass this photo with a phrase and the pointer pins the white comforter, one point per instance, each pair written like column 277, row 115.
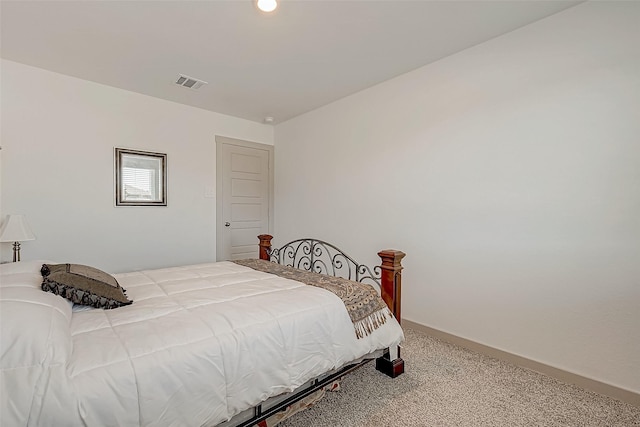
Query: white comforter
column 198, row 345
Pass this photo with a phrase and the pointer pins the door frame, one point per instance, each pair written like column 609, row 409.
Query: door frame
column 220, row 142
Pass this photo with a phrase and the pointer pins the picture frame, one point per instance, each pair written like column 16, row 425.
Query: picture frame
column 141, row 178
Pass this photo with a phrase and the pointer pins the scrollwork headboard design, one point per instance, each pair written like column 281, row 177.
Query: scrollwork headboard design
column 324, row 258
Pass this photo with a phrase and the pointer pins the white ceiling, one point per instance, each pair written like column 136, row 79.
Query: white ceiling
column 305, row 55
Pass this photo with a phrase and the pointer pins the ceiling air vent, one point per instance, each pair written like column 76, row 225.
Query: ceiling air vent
column 189, row 82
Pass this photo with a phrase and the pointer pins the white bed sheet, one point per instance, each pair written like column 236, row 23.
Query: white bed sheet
column 199, row 344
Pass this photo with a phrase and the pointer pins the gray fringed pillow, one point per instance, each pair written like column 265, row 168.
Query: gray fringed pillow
column 84, row 285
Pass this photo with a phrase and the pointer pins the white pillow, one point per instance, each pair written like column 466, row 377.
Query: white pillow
column 34, row 325
column 26, row 273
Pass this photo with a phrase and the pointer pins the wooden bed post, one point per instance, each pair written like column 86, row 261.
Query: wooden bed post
column 265, row 246
column 391, row 287
column 391, row 279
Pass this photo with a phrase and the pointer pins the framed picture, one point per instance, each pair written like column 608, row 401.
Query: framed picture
column 141, row 178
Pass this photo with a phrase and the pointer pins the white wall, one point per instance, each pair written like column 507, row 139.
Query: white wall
column 509, row 174
column 58, row 138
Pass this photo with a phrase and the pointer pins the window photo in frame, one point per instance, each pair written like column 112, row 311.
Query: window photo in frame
column 141, row 178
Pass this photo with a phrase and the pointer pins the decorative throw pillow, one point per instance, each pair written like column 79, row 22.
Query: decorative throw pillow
column 84, row 285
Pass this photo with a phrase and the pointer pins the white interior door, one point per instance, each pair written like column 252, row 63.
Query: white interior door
column 244, row 197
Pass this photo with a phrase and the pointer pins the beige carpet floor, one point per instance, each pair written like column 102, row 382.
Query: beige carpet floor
column 445, row 385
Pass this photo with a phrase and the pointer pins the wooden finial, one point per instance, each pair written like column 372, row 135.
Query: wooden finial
column 391, row 279
column 265, row 245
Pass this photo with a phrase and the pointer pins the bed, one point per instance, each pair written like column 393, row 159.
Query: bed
column 201, row 345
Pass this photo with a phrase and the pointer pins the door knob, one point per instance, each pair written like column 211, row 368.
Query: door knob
column 227, row 224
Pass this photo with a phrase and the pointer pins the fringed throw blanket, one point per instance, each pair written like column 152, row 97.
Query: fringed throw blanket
column 365, row 307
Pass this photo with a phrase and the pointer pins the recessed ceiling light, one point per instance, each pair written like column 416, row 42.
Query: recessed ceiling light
column 267, row 5
column 268, row 120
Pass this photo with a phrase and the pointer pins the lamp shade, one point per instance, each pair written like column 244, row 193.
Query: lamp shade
column 16, row 229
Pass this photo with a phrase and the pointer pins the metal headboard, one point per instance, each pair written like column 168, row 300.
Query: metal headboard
column 324, row 258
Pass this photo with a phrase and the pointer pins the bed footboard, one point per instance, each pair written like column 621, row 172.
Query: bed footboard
column 306, row 254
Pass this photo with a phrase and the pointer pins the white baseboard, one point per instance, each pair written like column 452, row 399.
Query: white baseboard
column 562, row 375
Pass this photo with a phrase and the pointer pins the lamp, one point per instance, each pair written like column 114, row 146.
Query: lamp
column 16, row 230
